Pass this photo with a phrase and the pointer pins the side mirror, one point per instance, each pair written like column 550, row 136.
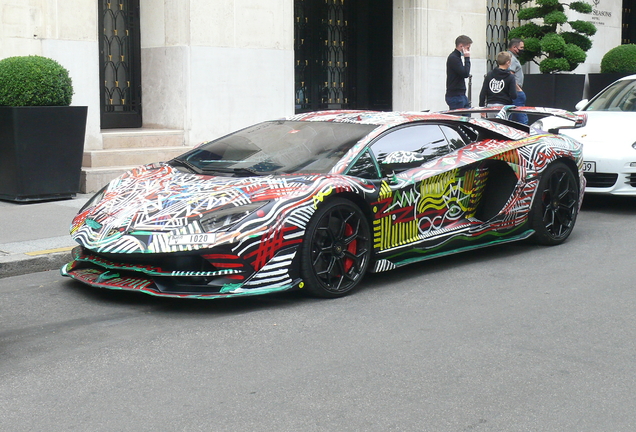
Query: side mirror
column 398, row 161
column 579, row 106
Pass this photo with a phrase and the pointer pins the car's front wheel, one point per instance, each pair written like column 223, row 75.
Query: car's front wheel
column 336, row 249
column 555, row 205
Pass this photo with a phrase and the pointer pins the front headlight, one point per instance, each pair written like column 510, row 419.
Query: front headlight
column 222, row 220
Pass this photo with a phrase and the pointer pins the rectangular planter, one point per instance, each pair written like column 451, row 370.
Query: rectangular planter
column 554, row 90
column 41, row 152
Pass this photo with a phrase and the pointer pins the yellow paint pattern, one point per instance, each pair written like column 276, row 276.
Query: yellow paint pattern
column 320, row 196
column 445, row 191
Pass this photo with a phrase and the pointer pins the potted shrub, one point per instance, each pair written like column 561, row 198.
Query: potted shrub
column 617, row 63
column 41, row 136
column 556, row 45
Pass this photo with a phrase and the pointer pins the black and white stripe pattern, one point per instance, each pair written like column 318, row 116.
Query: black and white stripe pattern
column 275, row 273
column 383, row 265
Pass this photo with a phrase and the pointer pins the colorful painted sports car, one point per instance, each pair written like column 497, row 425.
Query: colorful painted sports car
column 317, row 200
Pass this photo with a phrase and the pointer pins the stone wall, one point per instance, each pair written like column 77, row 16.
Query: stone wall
column 64, row 30
column 211, row 67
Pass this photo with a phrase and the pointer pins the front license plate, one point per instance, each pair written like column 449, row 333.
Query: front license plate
column 191, row 239
column 589, row 167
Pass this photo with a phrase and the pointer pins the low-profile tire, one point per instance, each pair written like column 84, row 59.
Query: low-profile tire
column 555, row 206
column 336, row 249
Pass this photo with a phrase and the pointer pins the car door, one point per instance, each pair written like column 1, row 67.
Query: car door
column 420, row 205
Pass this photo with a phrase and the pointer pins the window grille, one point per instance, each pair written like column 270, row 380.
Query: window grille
column 502, row 17
column 323, row 44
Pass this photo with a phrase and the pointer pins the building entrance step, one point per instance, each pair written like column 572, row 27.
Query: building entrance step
column 124, row 149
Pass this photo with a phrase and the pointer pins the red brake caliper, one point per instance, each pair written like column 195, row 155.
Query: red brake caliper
column 352, row 248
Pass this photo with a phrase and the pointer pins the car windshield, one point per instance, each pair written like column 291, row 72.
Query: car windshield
column 620, row 96
column 276, row 147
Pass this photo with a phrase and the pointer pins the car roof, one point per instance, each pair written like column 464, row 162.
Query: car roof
column 394, row 118
column 370, row 117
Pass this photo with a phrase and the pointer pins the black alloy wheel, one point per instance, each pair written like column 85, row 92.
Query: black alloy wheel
column 555, row 205
column 336, row 250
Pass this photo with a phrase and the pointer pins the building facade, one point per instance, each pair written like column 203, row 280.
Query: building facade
column 203, row 68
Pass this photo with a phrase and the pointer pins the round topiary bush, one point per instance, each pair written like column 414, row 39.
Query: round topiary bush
column 620, row 59
column 34, row 81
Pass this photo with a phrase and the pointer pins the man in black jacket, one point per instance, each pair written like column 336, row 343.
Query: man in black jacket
column 500, row 87
column 457, row 70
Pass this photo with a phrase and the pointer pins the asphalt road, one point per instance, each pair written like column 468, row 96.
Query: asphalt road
column 511, row 338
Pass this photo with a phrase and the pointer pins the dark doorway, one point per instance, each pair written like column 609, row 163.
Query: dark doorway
column 120, row 64
column 375, row 53
column 343, row 54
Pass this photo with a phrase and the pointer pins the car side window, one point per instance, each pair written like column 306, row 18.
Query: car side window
column 457, row 138
column 426, row 140
column 364, row 167
column 620, row 96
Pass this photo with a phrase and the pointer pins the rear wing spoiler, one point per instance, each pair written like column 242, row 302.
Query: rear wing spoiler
column 503, row 113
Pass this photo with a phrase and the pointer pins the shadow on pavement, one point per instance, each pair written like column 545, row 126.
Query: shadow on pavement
column 625, row 205
column 172, row 305
column 292, row 298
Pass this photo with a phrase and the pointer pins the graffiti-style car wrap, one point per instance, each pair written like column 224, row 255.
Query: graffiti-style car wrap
column 336, row 194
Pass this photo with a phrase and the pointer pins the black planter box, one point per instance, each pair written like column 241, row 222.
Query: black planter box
column 598, row 81
column 554, row 90
column 41, row 152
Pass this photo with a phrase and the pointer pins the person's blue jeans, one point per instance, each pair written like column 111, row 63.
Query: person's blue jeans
column 457, row 102
column 520, row 101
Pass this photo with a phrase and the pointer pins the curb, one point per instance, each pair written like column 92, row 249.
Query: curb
column 21, row 264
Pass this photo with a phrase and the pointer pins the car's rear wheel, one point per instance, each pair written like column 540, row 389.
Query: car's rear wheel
column 336, row 249
column 555, row 206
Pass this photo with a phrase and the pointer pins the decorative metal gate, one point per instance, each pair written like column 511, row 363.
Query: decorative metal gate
column 629, row 22
column 324, row 43
column 502, row 17
column 120, row 64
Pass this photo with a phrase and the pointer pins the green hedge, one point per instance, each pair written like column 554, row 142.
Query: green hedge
column 621, row 59
column 34, row 81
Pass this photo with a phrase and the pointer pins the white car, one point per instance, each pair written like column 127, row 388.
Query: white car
column 609, row 139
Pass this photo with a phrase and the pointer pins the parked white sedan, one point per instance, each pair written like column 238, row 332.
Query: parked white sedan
column 609, row 139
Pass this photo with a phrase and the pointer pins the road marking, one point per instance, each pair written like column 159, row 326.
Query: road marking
column 48, row 251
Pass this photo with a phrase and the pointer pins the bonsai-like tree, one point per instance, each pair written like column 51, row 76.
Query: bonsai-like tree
column 551, row 41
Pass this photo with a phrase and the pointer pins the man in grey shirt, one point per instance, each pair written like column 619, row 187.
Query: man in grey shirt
column 515, row 46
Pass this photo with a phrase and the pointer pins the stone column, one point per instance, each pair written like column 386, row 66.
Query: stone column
column 214, row 66
column 424, row 33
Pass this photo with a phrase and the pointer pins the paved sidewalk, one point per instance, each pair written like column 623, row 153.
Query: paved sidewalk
column 35, row 236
